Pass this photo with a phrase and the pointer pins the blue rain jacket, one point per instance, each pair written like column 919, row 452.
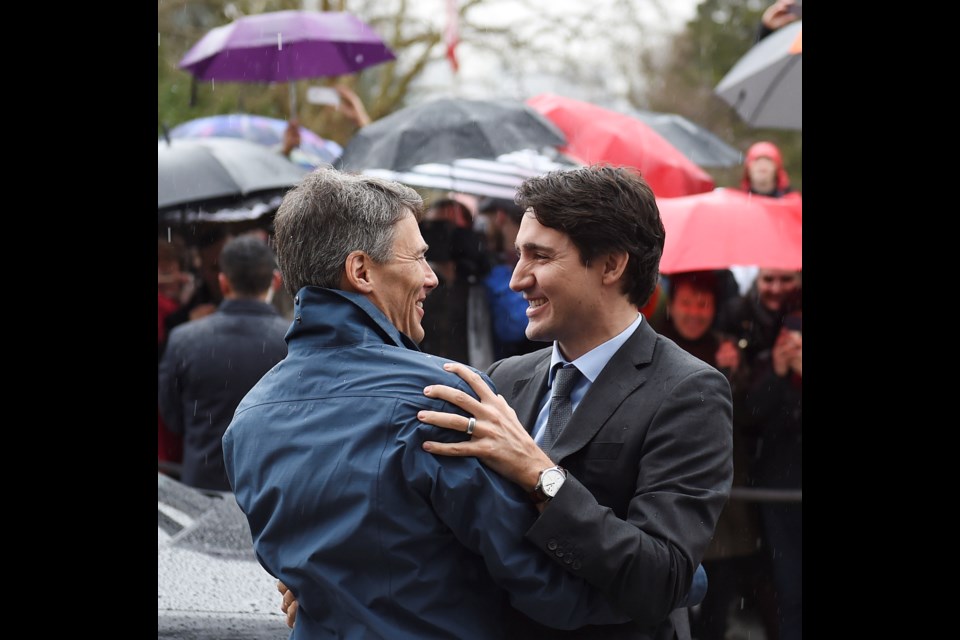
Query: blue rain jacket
column 376, row 537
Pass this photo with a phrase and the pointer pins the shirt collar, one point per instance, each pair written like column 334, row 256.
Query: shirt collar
column 592, row 362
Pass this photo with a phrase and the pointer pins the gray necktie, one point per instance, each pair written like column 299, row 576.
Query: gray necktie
column 560, row 406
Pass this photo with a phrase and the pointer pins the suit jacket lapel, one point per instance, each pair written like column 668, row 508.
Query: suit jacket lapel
column 527, row 393
column 622, row 375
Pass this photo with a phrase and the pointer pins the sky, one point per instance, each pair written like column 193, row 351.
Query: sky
column 481, row 75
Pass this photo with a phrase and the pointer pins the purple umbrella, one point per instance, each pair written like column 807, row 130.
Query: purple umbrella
column 282, row 46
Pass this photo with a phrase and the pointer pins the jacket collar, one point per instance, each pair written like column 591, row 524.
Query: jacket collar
column 247, row 306
column 331, row 317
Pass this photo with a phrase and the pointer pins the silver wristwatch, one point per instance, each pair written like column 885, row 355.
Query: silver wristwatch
column 551, row 479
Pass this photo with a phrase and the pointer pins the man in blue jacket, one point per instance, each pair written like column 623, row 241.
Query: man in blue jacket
column 376, row 538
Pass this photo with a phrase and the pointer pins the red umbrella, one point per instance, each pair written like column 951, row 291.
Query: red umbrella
column 727, row 227
column 595, row 134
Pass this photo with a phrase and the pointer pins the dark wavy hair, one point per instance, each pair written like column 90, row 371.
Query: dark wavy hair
column 603, row 209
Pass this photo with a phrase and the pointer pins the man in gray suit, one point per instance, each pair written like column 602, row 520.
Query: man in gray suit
column 631, row 488
column 211, row 363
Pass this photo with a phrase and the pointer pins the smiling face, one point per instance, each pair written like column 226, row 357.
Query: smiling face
column 775, row 285
column 564, row 296
column 691, row 310
column 402, row 283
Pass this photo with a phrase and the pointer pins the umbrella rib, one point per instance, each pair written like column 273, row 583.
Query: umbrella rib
column 771, row 86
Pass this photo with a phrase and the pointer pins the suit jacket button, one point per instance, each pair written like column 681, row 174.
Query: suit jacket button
column 552, row 544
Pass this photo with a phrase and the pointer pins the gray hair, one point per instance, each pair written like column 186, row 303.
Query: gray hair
column 330, row 214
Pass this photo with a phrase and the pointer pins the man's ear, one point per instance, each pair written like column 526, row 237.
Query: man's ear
column 225, row 287
column 357, row 276
column 614, row 264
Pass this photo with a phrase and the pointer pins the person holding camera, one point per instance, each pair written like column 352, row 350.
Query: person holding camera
column 774, row 406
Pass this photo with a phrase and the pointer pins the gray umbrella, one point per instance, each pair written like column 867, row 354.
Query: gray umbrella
column 765, row 86
column 698, row 143
column 446, row 129
column 214, row 173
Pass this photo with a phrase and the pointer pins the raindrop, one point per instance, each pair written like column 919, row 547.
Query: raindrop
column 359, row 58
column 279, row 41
column 213, row 84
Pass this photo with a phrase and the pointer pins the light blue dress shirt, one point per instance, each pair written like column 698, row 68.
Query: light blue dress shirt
column 590, row 365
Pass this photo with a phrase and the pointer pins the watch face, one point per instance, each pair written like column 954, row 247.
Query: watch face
column 551, row 481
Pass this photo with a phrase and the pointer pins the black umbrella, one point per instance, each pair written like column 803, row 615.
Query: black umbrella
column 446, row 129
column 698, row 143
column 220, row 179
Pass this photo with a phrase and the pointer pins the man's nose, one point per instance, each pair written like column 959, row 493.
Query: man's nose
column 430, row 280
column 519, row 279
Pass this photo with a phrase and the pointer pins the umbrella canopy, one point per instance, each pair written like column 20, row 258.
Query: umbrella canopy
column 766, row 85
column 727, row 227
column 280, row 46
column 497, row 178
column 445, row 130
column 595, row 134
column 312, row 152
column 698, row 143
column 219, row 173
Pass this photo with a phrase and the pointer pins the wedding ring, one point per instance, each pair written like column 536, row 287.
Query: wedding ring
column 471, row 423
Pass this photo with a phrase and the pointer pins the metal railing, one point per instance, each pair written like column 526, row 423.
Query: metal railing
column 756, row 494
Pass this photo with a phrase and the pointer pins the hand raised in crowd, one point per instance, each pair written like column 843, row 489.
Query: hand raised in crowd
column 288, row 603
column 291, row 137
column 796, row 362
column 728, row 356
column 352, row 106
column 779, row 14
column 787, row 353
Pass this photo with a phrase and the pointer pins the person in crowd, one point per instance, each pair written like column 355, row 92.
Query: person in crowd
column 174, row 287
column 774, row 408
column 206, row 295
column 763, row 171
column 734, row 560
column 639, row 475
column 777, row 15
column 755, row 322
column 457, row 255
column 210, row 363
column 376, row 538
column 755, row 319
column 508, row 309
column 690, row 312
column 763, row 174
